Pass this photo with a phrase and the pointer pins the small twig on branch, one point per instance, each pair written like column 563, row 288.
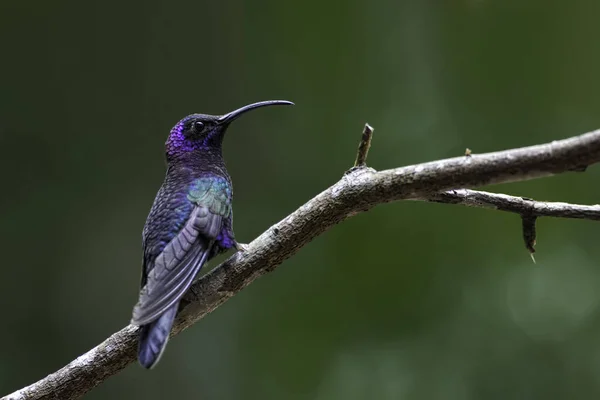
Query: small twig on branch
column 359, row 190
column 364, row 146
column 528, row 223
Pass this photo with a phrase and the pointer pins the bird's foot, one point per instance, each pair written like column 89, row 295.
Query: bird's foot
column 241, row 247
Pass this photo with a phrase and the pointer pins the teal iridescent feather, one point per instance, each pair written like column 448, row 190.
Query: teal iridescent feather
column 214, row 192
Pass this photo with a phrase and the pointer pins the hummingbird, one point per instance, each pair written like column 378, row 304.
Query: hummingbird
column 189, row 223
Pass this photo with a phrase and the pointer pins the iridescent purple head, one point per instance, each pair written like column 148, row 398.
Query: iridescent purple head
column 198, row 132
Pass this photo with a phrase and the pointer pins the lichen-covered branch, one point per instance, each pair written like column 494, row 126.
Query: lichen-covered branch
column 359, row 190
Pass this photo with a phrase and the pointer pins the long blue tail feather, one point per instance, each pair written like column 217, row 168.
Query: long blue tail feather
column 154, row 337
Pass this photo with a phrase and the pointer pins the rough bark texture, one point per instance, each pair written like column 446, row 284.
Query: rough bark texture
column 359, row 189
column 515, row 204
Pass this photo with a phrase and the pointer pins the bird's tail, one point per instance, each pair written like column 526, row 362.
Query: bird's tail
column 154, row 337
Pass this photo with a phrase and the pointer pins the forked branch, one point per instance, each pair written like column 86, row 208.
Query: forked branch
column 357, row 191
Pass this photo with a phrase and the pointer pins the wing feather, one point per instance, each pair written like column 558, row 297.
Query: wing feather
column 158, row 296
column 175, row 268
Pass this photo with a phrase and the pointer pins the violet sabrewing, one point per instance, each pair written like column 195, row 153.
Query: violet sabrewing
column 189, row 223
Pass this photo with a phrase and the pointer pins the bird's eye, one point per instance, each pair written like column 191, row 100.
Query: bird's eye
column 199, row 126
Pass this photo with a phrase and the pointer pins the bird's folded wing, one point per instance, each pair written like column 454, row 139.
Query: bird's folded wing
column 174, row 269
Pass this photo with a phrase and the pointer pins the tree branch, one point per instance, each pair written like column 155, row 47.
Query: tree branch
column 359, row 190
column 514, row 204
column 527, row 208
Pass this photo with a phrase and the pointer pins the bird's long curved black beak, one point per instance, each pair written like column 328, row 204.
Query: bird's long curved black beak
column 229, row 117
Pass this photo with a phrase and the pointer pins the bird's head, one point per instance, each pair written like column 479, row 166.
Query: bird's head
column 198, row 132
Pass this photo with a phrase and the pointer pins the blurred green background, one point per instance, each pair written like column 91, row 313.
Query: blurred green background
column 408, row 301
